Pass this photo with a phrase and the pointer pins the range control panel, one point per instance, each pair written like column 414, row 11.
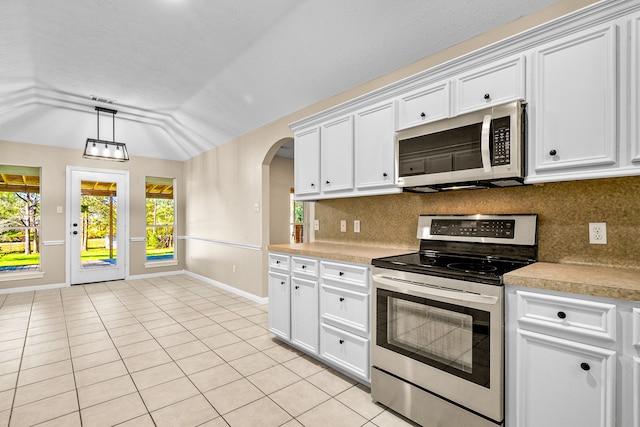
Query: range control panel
column 499, row 229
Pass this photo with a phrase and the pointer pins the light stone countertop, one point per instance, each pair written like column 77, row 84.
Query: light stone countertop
column 607, row 282
column 599, row 281
column 359, row 254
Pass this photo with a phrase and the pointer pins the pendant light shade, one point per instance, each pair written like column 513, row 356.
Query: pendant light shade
column 105, row 150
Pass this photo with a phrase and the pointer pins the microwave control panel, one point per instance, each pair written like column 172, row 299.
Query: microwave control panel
column 501, row 142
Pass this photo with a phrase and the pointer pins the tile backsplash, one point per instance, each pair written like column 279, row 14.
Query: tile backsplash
column 564, row 210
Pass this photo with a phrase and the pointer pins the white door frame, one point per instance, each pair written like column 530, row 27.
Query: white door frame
column 123, row 235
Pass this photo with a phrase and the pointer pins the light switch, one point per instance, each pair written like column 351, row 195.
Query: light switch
column 343, row 225
column 59, row 209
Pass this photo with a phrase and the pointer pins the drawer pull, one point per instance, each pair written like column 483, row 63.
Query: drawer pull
column 487, row 96
column 277, row 261
column 341, row 273
column 341, row 341
column 423, row 115
column 341, row 299
column 585, row 366
column 282, row 283
column 562, row 315
column 304, row 266
column 297, row 287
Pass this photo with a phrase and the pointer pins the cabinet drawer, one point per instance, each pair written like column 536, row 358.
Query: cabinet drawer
column 346, row 350
column 306, row 266
column 490, row 86
column 351, row 274
column 345, row 309
column 424, row 105
column 577, row 317
column 279, row 261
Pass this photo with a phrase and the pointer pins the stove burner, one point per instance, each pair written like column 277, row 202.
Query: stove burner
column 427, row 262
column 472, row 268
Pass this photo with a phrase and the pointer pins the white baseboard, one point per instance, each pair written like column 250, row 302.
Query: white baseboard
column 231, row 289
column 152, row 275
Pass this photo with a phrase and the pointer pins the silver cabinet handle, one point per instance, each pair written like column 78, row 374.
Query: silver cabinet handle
column 484, row 143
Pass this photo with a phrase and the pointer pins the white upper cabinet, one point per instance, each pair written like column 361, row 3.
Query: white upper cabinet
column 490, row 85
column 573, row 110
column 374, row 146
column 424, row 105
column 306, row 163
column 634, row 91
column 336, row 154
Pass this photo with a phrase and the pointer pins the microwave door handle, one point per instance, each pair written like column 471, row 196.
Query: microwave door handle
column 484, row 143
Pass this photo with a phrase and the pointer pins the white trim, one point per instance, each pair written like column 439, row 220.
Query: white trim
column 162, row 263
column 222, row 242
column 231, row 289
column 33, row 288
column 152, row 275
column 21, row 275
column 137, row 239
column 53, row 242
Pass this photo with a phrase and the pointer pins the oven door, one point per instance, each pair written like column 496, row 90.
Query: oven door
column 443, row 335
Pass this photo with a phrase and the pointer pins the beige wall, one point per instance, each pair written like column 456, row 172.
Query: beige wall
column 564, row 211
column 54, row 162
column 280, row 185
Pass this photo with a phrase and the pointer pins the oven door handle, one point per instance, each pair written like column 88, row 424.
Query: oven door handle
column 484, row 143
column 462, row 296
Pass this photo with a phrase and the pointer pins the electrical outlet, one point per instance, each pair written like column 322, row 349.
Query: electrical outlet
column 598, row 233
column 343, row 225
column 316, row 224
column 356, row 225
column 234, row 268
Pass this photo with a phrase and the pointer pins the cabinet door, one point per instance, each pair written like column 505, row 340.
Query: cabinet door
column 492, row 85
column 574, row 113
column 279, row 312
column 307, row 162
column 337, row 155
column 634, row 89
column 374, row 146
column 424, row 105
column 304, row 314
column 564, row 383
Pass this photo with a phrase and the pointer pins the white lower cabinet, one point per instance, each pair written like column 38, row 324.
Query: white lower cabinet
column 564, row 383
column 572, row 360
column 304, row 313
column 279, row 297
column 322, row 308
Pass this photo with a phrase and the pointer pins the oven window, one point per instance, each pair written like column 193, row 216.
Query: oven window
column 449, row 337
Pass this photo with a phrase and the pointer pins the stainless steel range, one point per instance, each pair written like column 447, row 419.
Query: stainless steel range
column 438, row 342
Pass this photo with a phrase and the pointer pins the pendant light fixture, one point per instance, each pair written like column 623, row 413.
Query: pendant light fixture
column 106, row 150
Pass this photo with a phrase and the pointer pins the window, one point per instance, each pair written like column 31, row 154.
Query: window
column 296, row 219
column 19, row 219
column 160, row 207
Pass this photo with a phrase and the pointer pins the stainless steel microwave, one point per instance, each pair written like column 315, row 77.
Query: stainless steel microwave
column 476, row 150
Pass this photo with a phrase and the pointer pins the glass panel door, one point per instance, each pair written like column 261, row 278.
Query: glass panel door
column 97, row 213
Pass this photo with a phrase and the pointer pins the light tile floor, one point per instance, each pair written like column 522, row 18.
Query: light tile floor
column 168, row 351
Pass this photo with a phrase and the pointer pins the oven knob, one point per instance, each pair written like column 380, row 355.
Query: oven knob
column 562, row 314
column 585, row 366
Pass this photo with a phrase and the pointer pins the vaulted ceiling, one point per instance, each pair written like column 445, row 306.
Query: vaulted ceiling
column 188, row 75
